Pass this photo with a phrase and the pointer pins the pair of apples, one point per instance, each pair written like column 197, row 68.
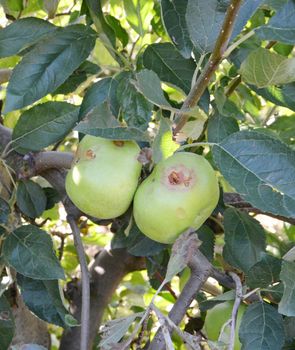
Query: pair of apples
column 181, row 191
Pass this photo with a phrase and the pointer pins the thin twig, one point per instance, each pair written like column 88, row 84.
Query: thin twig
column 200, row 270
column 238, row 299
column 212, row 65
column 84, row 341
column 233, row 85
column 133, row 46
column 269, row 114
column 196, row 72
column 235, row 200
column 164, row 328
column 160, row 278
column 254, row 291
column 232, row 47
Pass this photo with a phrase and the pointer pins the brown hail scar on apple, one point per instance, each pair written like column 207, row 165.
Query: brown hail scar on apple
column 181, row 192
column 90, row 154
column 182, row 176
column 119, row 143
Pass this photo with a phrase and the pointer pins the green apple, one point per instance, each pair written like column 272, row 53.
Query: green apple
column 218, row 316
column 104, row 176
column 181, row 192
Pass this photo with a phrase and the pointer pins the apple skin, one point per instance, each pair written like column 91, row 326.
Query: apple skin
column 104, row 176
column 218, row 316
column 181, row 192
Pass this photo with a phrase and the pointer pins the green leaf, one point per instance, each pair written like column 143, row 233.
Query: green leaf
column 95, row 95
column 205, row 17
column 29, row 251
column 77, row 78
column 43, row 125
column 182, row 249
column 227, row 107
column 101, row 122
column 149, row 84
column 99, row 116
column 261, row 328
column 6, row 324
column 120, row 32
column 14, row 5
column 116, row 133
column 244, row 239
column 43, row 298
column 221, row 126
column 282, row 96
column 173, row 14
column 164, row 145
column 275, row 292
column 157, row 22
column 285, row 127
column 287, row 303
column 139, row 14
column 137, row 243
column 289, row 326
column 169, row 65
column 50, row 6
column 4, row 211
column 105, row 31
column 193, row 129
column 263, row 68
column 281, row 27
column 104, row 90
column 247, row 10
column 114, row 330
column 275, row 4
column 52, row 197
column 264, row 272
column 207, row 237
column 136, row 110
column 30, row 198
column 261, row 168
column 48, row 65
column 22, row 34
column 156, row 265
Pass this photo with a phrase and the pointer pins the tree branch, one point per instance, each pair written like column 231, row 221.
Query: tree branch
column 235, row 200
column 5, row 74
column 5, row 136
column 200, row 271
column 106, row 272
column 213, row 63
column 85, row 311
column 52, row 159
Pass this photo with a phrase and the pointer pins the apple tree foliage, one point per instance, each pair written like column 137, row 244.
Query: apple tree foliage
column 122, row 70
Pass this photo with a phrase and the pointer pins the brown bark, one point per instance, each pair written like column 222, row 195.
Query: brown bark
column 200, row 271
column 29, row 329
column 106, row 273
